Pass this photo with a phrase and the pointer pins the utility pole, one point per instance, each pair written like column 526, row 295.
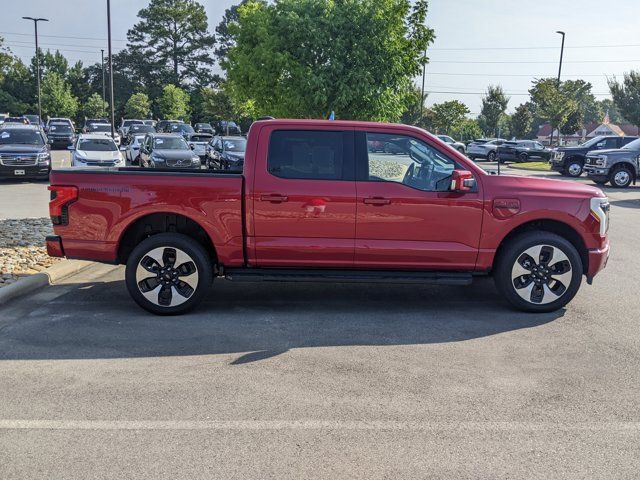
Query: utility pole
column 113, row 115
column 35, row 24
column 424, row 70
column 558, row 84
column 104, row 94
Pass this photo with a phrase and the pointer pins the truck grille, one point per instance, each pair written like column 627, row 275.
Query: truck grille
column 25, row 160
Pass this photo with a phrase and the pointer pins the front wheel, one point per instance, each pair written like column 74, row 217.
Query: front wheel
column 168, row 274
column 523, row 157
column 620, row 177
column 538, row 272
column 491, row 157
column 574, row 168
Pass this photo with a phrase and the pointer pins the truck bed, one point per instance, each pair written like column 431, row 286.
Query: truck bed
column 112, row 201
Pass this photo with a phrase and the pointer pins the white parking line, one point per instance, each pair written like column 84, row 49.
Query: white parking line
column 242, row 425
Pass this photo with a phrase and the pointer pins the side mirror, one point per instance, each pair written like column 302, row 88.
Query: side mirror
column 462, row 181
column 192, row 146
column 123, row 148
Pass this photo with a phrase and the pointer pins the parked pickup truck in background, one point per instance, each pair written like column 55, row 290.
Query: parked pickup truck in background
column 570, row 161
column 317, row 202
column 619, row 167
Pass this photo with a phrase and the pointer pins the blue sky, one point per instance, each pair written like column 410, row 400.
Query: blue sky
column 479, row 42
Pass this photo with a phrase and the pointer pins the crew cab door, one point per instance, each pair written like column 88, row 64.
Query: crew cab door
column 303, row 198
column 407, row 216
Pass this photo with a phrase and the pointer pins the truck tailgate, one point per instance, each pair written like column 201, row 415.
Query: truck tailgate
column 111, row 201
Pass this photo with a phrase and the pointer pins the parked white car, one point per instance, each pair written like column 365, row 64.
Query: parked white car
column 132, row 150
column 104, row 129
column 96, row 150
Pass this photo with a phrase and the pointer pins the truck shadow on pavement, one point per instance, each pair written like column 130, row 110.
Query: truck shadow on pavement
column 257, row 321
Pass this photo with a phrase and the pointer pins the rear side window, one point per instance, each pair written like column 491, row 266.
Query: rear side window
column 311, row 155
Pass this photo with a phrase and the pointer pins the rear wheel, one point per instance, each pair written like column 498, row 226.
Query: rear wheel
column 523, row 157
column 491, row 156
column 168, row 274
column 538, row 272
column 620, row 177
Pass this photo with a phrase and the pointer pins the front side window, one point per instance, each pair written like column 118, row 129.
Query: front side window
column 309, row 154
column 409, row 161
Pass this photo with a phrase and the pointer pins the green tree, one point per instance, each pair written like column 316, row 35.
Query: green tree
column 95, row 107
column 306, row 58
column 587, row 107
column 522, row 121
column 138, row 106
column 57, row 99
column 466, row 130
column 174, row 103
column 216, row 104
column 552, row 104
column 173, row 34
column 223, row 36
column 448, row 115
column 494, row 105
column 626, row 95
column 78, row 79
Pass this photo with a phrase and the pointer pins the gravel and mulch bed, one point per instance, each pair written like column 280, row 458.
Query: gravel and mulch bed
column 536, row 166
column 22, row 248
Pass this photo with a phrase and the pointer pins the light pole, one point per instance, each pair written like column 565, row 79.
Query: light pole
column 424, row 70
column 558, row 83
column 35, row 24
column 113, row 116
column 104, row 95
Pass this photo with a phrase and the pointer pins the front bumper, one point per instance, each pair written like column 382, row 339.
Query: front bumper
column 32, row 171
column 593, row 171
column 597, row 260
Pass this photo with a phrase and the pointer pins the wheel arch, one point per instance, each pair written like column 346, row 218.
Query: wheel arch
column 628, row 164
column 162, row 222
column 553, row 226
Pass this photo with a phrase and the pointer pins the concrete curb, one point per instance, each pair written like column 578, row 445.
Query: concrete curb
column 50, row 276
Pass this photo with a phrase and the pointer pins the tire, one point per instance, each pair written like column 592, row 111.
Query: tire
column 491, row 157
column 573, row 168
column 528, row 283
column 523, row 157
column 621, row 177
column 173, row 290
column 461, row 150
column 472, row 158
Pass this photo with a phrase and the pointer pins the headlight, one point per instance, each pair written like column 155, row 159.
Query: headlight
column 157, row 159
column 44, row 158
column 600, row 211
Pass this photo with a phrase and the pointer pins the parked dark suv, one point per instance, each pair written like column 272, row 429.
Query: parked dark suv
column 23, row 152
column 570, row 160
column 522, row 151
column 224, row 127
column 61, row 135
column 167, row 150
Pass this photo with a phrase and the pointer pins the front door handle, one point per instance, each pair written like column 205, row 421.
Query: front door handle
column 274, row 198
column 377, row 201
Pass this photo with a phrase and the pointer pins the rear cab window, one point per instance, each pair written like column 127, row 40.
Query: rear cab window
column 311, row 154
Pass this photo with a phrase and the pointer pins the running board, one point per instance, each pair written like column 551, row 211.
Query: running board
column 350, row 276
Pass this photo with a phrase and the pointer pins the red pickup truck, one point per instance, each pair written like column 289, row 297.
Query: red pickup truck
column 321, row 201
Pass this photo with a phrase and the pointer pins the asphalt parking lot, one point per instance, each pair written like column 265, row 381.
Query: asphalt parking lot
column 326, row 381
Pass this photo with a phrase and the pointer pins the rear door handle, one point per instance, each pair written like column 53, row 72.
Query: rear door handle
column 274, row 198
column 378, row 201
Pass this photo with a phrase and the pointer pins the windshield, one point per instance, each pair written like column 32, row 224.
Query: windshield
column 97, row 145
column 32, row 118
column 137, row 140
column 60, row 128
column 235, row 145
column 592, row 142
column 204, row 125
column 635, row 145
column 142, row 128
column 128, row 123
column 170, row 143
column 96, row 127
column 181, row 127
column 20, row 137
column 200, row 138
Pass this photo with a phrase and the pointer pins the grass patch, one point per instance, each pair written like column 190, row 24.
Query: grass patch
column 539, row 166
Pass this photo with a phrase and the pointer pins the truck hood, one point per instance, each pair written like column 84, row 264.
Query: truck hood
column 619, row 152
column 98, row 156
column 512, row 185
column 572, row 149
column 21, row 149
column 174, row 154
